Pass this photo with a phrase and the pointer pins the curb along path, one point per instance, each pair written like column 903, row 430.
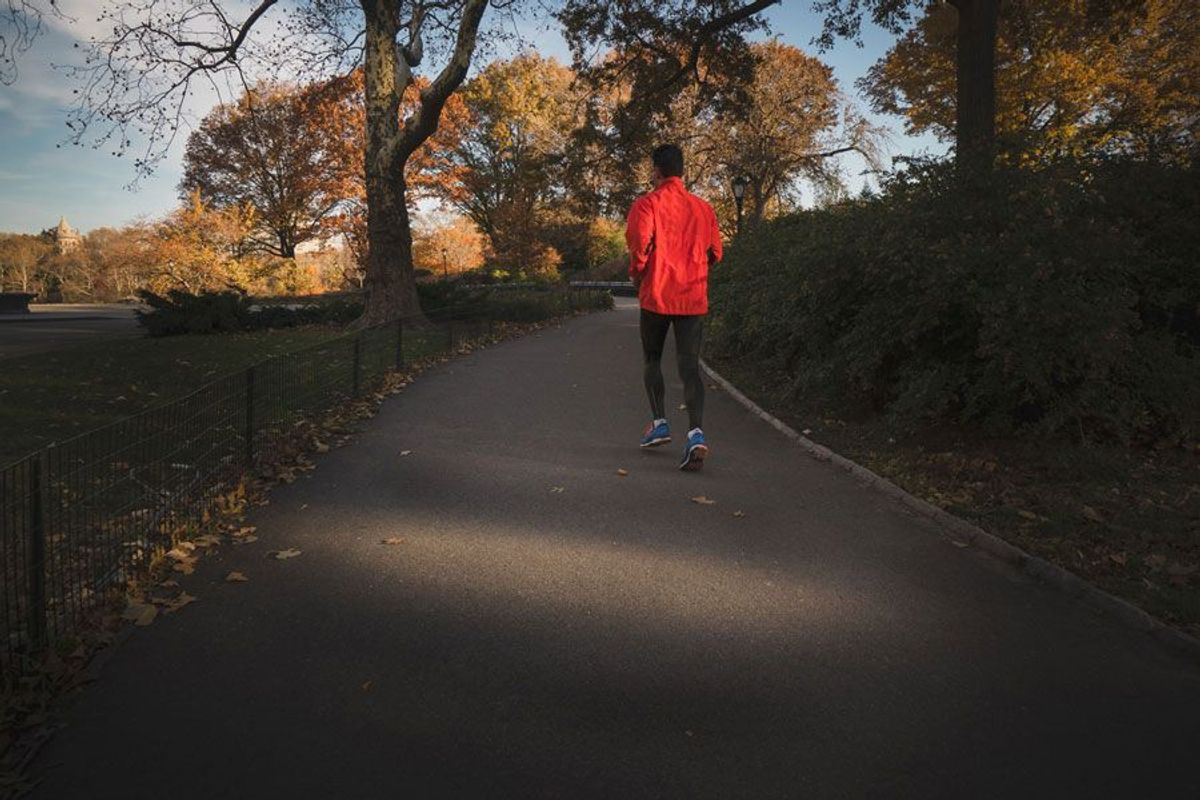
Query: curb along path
column 1052, row 574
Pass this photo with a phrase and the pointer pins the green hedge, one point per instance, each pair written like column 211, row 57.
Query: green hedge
column 1061, row 300
column 224, row 312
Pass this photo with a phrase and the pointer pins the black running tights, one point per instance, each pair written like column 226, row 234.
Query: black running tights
column 689, row 333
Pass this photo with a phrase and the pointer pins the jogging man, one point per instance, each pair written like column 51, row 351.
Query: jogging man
column 673, row 239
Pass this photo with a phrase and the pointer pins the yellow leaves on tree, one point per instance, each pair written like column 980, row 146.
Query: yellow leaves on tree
column 336, row 113
column 1070, row 80
column 452, row 247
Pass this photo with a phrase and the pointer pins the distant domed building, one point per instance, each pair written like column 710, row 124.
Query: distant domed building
column 66, row 238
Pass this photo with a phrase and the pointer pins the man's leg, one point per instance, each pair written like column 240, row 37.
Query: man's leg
column 654, row 335
column 689, row 335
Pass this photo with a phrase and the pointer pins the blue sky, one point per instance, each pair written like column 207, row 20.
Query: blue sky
column 41, row 180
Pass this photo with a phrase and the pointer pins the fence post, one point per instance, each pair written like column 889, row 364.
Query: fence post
column 250, row 416
column 357, row 362
column 400, row 344
column 37, row 557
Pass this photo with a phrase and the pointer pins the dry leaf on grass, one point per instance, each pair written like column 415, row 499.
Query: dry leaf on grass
column 320, row 446
column 179, row 553
column 236, row 577
column 283, row 555
column 703, row 501
column 207, row 540
column 185, row 567
column 392, row 540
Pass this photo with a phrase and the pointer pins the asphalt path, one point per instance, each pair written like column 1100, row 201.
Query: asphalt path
column 548, row 628
column 55, row 327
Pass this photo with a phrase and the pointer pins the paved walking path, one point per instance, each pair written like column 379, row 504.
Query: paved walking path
column 55, row 327
column 614, row 639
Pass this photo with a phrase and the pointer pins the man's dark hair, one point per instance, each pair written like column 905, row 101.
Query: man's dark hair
column 669, row 160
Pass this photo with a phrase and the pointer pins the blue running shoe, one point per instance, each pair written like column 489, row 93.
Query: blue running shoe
column 694, row 452
column 654, row 435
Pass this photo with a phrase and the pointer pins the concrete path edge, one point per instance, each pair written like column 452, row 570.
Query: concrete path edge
column 1050, row 574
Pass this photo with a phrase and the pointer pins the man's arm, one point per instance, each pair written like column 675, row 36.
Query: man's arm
column 639, row 238
column 715, row 250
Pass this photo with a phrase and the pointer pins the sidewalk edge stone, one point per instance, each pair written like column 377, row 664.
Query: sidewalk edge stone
column 1067, row 582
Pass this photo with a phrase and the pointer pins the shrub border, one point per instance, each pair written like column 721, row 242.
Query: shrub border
column 1106, row 604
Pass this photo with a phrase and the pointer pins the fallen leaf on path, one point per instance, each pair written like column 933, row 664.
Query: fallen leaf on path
column 1026, row 514
column 245, row 539
column 958, row 544
column 703, row 501
column 807, row 431
column 284, row 554
column 739, row 514
column 180, row 554
column 179, row 602
column 320, row 447
column 557, row 489
column 170, row 584
column 622, row 472
column 141, row 614
column 207, row 540
column 303, row 506
column 245, row 531
column 236, row 577
column 185, row 567
column 1118, row 558
column 683, row 406
column 366, row 687
column 406, row 452
column 392, row 540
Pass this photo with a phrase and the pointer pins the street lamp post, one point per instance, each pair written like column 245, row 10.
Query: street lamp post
column 445, row 270
column 739, row 194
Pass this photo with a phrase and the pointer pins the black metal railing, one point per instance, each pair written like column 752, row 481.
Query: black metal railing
column 83, row 517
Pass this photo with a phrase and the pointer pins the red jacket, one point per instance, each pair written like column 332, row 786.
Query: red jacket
column 670, row 233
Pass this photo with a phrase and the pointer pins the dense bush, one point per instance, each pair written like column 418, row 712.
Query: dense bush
column 181, row 312
column 1061, row 300
column 535, row 306
column 224, row 312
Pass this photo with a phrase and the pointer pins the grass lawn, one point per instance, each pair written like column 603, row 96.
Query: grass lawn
column 49, row 397
column 1125, row 519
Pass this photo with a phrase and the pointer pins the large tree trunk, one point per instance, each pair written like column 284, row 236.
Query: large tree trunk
column 975, row 124
column 391, row 288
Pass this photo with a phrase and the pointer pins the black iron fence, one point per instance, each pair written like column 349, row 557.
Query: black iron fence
column 81, row 518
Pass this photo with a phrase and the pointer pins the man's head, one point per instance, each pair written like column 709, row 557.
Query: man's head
column 668, row 162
